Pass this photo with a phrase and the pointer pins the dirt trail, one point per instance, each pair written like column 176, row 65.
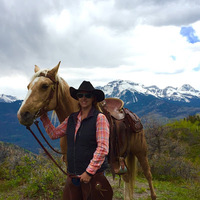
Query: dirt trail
column 141, row 190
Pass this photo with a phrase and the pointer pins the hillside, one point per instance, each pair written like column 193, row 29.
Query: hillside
column 41, row 169
column 13, row 132
column 173, row 155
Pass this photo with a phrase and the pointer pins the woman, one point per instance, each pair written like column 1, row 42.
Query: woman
column 88, row 144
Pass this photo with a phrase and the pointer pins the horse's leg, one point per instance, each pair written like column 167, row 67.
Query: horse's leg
column 143, row 160
column 127, row 195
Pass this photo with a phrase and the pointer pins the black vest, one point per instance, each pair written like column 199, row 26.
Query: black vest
column 80, row 150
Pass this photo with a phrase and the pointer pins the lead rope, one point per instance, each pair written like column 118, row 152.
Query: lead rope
column 36, row 123
column 50, row 156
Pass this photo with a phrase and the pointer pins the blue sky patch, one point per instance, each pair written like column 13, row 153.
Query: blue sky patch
column 190, row 34
column 179, row 71
column 173, row 57
column 196, row 69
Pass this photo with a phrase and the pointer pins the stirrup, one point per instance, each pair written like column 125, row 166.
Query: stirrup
column 122, row 168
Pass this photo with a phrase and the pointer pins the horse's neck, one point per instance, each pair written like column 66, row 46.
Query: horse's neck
column 66, row 104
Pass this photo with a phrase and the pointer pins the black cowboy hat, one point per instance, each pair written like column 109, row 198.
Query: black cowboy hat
column 87, row 87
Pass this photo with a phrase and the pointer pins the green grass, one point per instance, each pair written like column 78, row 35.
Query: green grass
column 34, row 177
column 49, row 186
column 171, row 190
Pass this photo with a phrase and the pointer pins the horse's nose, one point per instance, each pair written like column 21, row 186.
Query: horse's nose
column 26, row 115
column 25, row 118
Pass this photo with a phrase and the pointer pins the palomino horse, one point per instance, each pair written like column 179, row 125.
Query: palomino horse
column 47, row 91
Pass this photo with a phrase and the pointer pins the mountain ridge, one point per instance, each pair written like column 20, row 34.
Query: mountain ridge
column 183, row 93
column 147, row 102
column 7, row 98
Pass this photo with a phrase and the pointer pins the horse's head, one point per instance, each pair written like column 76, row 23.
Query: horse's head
column 41, row 96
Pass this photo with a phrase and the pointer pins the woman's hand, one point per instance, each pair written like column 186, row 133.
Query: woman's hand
column 85, row 178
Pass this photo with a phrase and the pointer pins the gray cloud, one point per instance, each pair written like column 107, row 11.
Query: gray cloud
column 25, row 39
column 157, row 13
column 21, row 33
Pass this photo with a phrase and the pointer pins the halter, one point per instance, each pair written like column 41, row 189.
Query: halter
column 54, row 85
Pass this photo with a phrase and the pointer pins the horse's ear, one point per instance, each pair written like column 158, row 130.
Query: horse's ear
column 36, row 68
column 54, row 71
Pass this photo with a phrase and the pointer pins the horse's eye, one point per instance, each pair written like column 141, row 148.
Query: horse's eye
column 45, row 86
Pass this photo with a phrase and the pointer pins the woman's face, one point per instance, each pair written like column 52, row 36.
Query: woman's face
column 85, row 99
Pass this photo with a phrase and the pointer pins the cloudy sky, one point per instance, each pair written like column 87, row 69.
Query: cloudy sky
column 153, row 42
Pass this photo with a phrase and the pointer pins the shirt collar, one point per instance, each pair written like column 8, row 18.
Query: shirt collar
column 91, row 113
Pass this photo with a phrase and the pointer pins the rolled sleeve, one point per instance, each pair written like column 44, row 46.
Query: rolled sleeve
column 54, row 132
column 102, row 137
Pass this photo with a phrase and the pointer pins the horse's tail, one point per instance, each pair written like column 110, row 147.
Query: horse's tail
column 132, row 170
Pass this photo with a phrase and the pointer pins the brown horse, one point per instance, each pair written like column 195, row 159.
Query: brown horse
column 44, row 93
column 47, row 91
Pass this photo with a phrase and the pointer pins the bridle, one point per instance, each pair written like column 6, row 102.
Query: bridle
column 54, row 86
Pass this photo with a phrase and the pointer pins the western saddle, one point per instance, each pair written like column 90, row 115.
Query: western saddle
column 123, row 123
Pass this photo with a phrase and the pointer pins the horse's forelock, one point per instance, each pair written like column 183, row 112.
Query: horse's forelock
column 60, row 80
column 37, row 74
column 45, row 71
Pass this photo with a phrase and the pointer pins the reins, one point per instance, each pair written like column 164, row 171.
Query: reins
column 36, row 123
column 43, row 109
column 46, row 151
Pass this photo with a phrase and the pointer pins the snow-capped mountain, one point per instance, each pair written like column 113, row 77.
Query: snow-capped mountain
column 147, row 102
column 167, row 103
column 7, row 98
column 118, row 89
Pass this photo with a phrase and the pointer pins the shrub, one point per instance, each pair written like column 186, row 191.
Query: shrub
column 169, row 168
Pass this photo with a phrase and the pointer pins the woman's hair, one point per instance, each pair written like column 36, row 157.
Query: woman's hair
column 95, row 104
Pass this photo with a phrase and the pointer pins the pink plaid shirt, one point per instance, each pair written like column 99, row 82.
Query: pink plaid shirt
column 102, row 137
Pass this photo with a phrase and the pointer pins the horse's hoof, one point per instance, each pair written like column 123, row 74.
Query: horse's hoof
column 153, row 197
column 123, row 170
